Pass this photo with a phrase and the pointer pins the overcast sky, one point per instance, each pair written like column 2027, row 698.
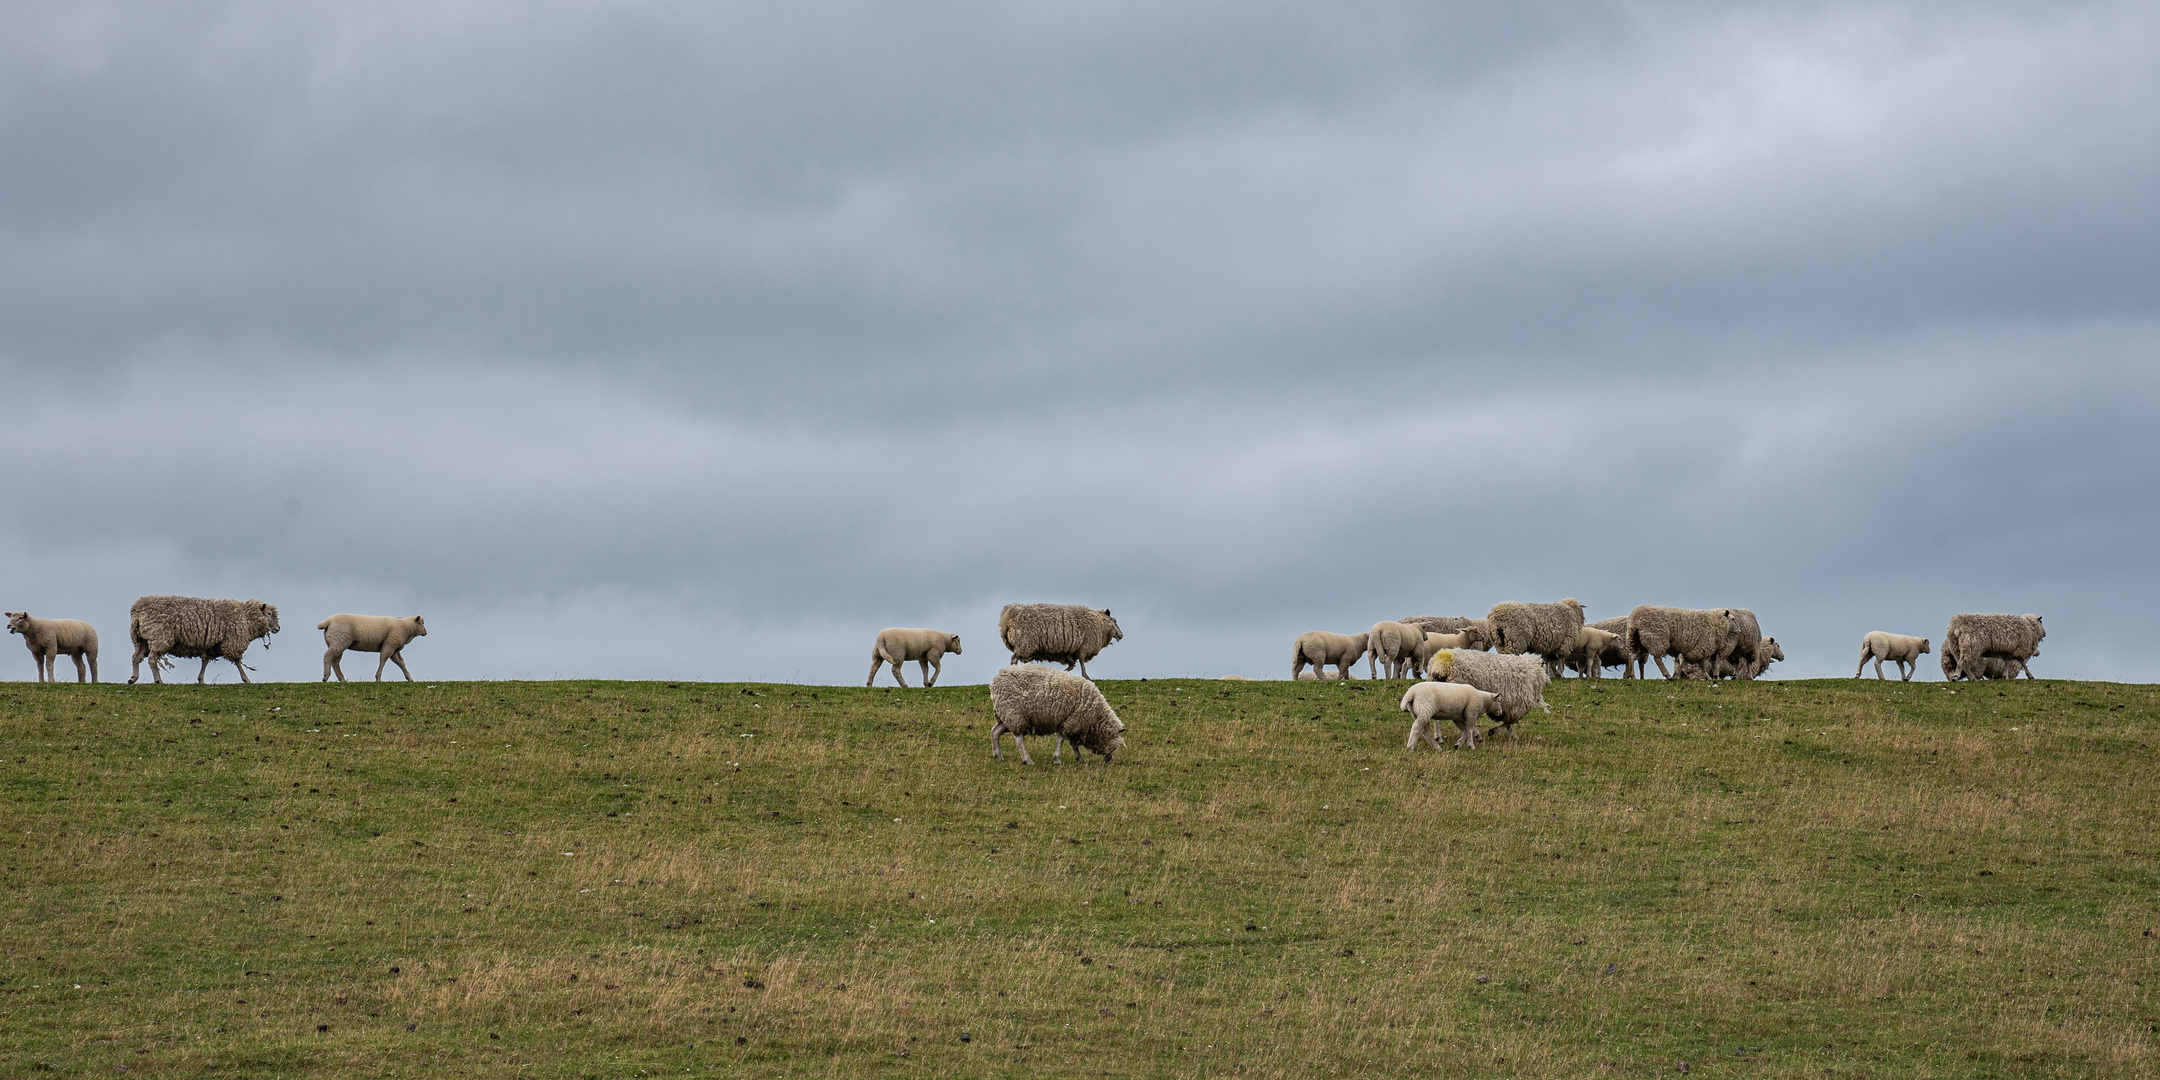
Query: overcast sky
column 701, row 341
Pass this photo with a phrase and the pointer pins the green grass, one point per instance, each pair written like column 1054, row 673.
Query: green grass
column 615, row 879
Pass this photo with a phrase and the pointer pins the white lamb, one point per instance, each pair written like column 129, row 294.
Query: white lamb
column 1903, row 650
column 1432, row 703
column 898, row 645
column 385, row 634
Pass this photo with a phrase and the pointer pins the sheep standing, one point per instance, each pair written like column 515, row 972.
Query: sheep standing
column 193, row 626
column 1973, row 637
column 1696, row 634
column 1065, row 634
column 898, row 645
column 1436, row 624
column 1614, row 654
column 1519, row 680
column 50, row 639
column 384, row 634
column 1549, row 630
column 1743, row 643
column 1394, row 644
column 1769, row 652
column 1433, row 643
column 1320, row 648
column 1587, row 657
column 1432, row 703
column 1028, row 700
column 1903, row 650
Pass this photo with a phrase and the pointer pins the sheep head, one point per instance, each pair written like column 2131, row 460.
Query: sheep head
column 419, row 626
column 1116, row 634
column 18, row 622
column 952, row 644
column 1923, row 646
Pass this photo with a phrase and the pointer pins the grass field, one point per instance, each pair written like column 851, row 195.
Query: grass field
column 621, row 879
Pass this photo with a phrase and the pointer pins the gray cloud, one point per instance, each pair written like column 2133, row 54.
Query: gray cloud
column 673, row 341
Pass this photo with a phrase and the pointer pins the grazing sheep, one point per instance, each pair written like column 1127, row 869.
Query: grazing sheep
column 1029, row 700
column 898, row 645
column 385, row 634
column 1065, row 634
column 1519, row 680
column 50, row 639
column 193, row 626
column 1971, row 637
column 1461, row 639
column 1588, row 654
column 1696, row 634
column 1320, row 648
column 1549, row 630
column 1431, row 703
column 1903, row 650
column 1394, row 644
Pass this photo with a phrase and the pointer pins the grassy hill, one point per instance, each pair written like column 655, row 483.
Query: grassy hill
column 609, row 879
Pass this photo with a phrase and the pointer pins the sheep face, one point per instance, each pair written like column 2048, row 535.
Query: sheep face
column 17, row 621
column 1116, row 634
column 1923, row 646
column 269, row 612
column 952, row 644
column 419, row 626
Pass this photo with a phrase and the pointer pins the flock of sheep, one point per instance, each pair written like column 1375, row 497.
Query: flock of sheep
column 1496, row 667
column 205, row 629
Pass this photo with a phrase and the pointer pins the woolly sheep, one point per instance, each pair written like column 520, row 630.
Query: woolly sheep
column 1589, row 652
column 1742, row 644
column 384, row 634
column 1320, row 648
column 1549, row 630
column 1461, row 639
column 1028, row 700
column 193, row 626
column 1436, row 624
column 50, row 639
column 1394, row 644
column 1614, row 654
column 1431, row 703
column 1481, row 634
column 1696, row 634
column 1903, row 650
column 2012, row 637
column 1065, row 634
column 1519, row 680
column 1766, row 654
column 898, row 645
column 1996, row 667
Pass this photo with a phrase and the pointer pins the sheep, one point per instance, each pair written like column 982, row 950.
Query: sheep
column 1394, row 644
column 1614, row 654
column 897, row 645
column 1065, row 634
column 384, row 634
column 50, row 639
column 1996, row 667
column 1436, row 624
column 2012, row 637
column 1320, row 648
column 1431, row 703
column 1741, row 645
column 1029, row 700
column 1767, row 653
column 1461, row 639
column 1589, row 652
column 1519, row 680
column 1696, row 634
column 1481, row 634
column 1549, row 630
column 1903, row 650
column 193, row 626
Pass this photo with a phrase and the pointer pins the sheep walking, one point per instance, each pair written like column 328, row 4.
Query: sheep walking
column 1549, row 630
column 1394, row 645
column 1903, row 650
column 384, row 634
column 1613, row 654
column 1029, row 700
column 1065, row 634
column 1432, row 703
column 192, row 626
column 1518, row 680
column 898, row 645
column 1697, row 634
column 50, row 639
column 1320, row 648
column 1588, row 655
column 1743, row 643
column 1972, row 638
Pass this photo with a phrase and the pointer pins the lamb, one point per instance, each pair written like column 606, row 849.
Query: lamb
column 1697, row 634
column 1903, row 650
column 1029, row 700
column 1519, row 680
column 193, row 626
column 1065, row 634
column 1394, row 644
column 1320, row 648
column 1766, row 654
column 1549, row 630
column 1430, row 704
column 385, row 634
column 1615, row 652
column 1436, row 624
column 1587, row 657
column 1481, row 634
column 1972, row 637
column 1461, row 639
column 1996, row 667
column 50, row 639
column 897, row 645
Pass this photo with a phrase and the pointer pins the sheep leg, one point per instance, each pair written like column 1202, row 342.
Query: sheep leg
column 1466, row 737
column 80, row 674
column 240, row 667
column 876, row 661
column 1057, row 749
column 397, row 658
column 1083, row 670
column 928, row 680
column 1662, row 672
